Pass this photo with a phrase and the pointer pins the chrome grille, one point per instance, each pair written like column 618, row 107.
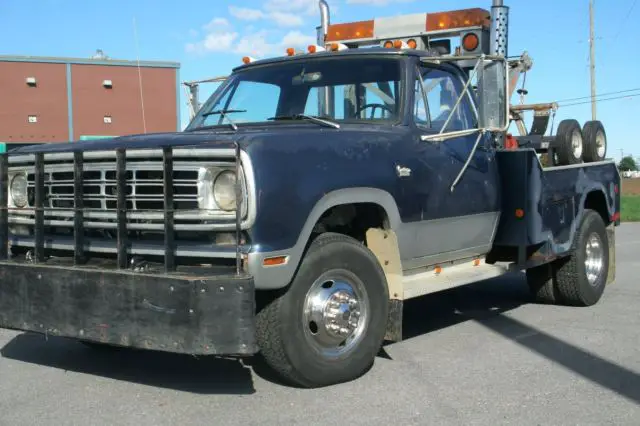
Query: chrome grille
column 144, row 187
column 144, row 196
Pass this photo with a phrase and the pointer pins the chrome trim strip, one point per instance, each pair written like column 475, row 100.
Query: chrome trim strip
column 105, row 246
column 132, row 226
column 139, row 215
column 133, row 153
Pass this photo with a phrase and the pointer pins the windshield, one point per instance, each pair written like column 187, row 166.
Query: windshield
column 361, row 89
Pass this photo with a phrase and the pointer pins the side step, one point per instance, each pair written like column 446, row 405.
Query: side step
column 443, row 277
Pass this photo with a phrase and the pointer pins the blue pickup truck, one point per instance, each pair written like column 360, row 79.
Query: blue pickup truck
column 310, row 196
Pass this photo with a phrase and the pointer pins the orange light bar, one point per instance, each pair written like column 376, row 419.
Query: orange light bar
column 458, row 19
column 350, row 31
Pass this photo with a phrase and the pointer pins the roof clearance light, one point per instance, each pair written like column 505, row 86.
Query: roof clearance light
column 350, row 31
column 458, row 19
column 314, row 48
column 412, row 44
column 400, row 44
column 338, row 46
column 291, row 51
column 388, row 44
column 247, row 59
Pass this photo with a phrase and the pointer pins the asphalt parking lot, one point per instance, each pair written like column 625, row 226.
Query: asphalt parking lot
column 474, row 355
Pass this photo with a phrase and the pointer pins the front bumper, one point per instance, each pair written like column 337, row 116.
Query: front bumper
column 177, row 312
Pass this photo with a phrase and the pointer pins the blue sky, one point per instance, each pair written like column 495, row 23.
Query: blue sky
column 210, row 37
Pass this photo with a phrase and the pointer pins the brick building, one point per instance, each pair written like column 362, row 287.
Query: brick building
column 46, row 99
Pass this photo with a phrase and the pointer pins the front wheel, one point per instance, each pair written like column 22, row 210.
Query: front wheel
column 329, row 324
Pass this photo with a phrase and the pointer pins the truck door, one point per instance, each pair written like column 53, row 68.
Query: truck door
column 447, row 224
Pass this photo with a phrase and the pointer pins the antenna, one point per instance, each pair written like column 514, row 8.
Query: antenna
column 135, row 35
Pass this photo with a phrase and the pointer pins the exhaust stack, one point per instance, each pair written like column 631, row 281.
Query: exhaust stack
column 324, row 21
column 499, row 28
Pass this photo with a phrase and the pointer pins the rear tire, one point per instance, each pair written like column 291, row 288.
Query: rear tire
column 569, row 143
column 339, row 290
column 582, row 277
column 595, row 141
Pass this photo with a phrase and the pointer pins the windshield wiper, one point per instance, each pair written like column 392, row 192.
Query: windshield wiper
column 224, row 113
column 312, row 118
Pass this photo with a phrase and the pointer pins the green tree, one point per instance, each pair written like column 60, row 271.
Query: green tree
column 627, row 164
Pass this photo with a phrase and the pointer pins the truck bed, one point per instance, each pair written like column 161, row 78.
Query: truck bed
column 542, row 207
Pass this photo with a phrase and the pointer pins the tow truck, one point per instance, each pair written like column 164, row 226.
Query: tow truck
column 310, row 196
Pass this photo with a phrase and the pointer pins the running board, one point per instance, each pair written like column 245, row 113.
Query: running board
column 438, row 278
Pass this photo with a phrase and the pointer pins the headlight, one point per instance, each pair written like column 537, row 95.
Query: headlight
column 224, row 190
column 18, row 190
column 217, row 190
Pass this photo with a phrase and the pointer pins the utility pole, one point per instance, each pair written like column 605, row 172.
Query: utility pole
column 592, row 44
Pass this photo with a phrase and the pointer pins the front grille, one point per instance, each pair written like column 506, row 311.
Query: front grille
column 144, row 187
column 144, row 195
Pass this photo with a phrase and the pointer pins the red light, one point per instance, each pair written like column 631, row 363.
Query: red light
column 470, row 42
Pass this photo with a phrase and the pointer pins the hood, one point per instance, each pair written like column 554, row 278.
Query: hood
column 216, row 138
column 143, row 141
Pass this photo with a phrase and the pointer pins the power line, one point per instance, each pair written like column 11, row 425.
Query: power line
column 601, row 100
column 624, row 21
column 599, row 95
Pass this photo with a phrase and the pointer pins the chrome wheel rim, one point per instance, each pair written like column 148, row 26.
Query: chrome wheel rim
column 594, row 259
column 600, row 144
column 576, row 144
column 336, row 313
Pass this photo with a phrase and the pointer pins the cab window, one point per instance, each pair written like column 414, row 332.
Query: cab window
column 436, row 94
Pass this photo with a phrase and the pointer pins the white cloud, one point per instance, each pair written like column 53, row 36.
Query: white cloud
column 306, row 7
column 260, row 37
column 255, row 45
column 284, row 19
column 245, row 13
column 215, row 24
column 378, row 2
column 280, row 18
column 213, row 42
column 297, row 39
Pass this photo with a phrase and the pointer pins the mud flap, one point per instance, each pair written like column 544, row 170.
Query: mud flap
column 384, row 245
column 611, row 236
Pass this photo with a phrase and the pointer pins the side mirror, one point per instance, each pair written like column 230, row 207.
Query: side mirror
column 492, row 94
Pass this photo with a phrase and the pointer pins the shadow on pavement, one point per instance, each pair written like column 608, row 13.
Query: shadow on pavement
column 487, row 303
column 205, row 375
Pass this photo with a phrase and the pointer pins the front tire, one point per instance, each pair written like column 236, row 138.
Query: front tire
column 329, row 324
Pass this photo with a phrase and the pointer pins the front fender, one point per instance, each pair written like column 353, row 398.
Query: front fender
column 274, row 277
